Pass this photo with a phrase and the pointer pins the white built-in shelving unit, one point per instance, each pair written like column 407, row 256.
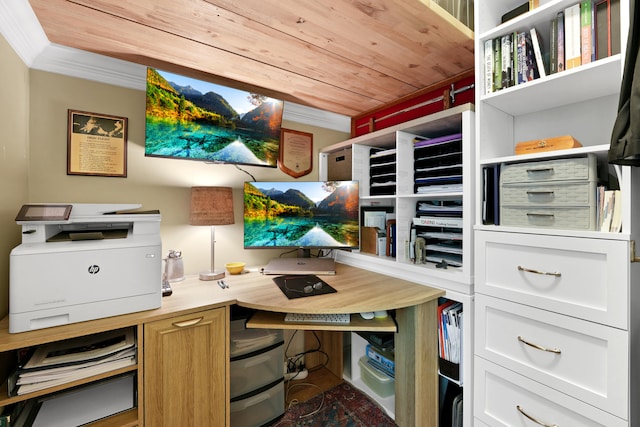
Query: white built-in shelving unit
column 402, row 200
column 554, row 308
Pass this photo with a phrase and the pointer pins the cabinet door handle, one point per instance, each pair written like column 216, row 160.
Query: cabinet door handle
column 539, row 347
column 522, row 411
column 188, row 323
column 546, row 273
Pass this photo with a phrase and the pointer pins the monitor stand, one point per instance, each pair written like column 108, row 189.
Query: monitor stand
column 301, row 265
column 304, row 253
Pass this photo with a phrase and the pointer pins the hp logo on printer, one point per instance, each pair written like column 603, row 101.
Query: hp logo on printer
column 93, row 269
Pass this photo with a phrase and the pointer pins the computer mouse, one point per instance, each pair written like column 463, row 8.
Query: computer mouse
column 368, row 315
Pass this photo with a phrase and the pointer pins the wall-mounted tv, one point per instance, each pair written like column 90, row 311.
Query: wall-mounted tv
column 193, row 119
column 301, row 214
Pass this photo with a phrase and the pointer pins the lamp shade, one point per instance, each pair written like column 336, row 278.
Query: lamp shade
column 211, row 206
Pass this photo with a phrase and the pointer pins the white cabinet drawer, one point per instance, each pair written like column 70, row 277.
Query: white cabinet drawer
column 499, row 392
column 585, row 278
column 585, row 360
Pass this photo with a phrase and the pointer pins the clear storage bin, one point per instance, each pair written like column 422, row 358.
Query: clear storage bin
column 382, row 384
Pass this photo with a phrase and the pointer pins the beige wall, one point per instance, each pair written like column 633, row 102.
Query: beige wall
column 14, row 116
column 156, row 183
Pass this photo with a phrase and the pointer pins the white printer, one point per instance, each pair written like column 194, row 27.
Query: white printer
column 80, row 262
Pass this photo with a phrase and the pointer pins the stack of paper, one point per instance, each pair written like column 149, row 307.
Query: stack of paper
column 70, row 360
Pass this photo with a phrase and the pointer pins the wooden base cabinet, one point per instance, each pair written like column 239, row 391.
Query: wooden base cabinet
column 185, row 370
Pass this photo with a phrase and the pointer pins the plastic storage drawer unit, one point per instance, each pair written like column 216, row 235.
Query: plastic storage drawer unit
column 259, row 408
column 244, row 341
column 257, row 369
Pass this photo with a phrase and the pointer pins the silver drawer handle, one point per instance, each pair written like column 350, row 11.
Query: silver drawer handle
column 188, row 323
column 539, row 192
column 546, row 273
column 540, row 170
column 539, row 347
column 539, row 214
column 533, row 419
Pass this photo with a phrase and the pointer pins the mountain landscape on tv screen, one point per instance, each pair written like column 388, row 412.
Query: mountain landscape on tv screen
column 182, row 122
column 291, row 219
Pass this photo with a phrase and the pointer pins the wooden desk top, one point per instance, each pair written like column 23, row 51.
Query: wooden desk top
column 358, row 291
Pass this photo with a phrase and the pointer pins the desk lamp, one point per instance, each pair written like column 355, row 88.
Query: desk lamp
column 211, row 206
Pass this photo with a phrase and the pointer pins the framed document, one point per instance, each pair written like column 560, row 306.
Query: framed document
column 296, row 151
column 96, row 144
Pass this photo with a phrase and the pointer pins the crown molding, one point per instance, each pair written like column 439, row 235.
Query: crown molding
column 20, row 27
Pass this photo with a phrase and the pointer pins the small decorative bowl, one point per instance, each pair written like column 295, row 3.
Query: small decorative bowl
column 235, row 267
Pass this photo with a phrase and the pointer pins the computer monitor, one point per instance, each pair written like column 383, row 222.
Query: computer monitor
column 301, row 214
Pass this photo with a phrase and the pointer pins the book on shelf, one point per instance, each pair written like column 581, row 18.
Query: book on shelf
column 536, row 41
column 602, row 25
column 390, row 238
column 586, row 31
column 521, row 61
column 530, row 58
column 560, row 45
column 553, row 46
column 607, row 28
column 488, row 66
column 614, row 26
column 497, row 64
column 573, row 57
column 507, row 60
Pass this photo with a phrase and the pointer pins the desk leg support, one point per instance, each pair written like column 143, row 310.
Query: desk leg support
column 416, row 360
column 331, row 344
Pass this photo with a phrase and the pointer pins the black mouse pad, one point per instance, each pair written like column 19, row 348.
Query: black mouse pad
column 300, row 286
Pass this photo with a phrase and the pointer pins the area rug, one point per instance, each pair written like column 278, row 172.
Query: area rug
column 343, row 406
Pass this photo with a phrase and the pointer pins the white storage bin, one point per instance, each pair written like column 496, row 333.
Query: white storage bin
column 258, row 409
column 255, row 370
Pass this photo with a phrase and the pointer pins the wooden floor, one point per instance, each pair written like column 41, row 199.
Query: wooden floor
column 317, row 381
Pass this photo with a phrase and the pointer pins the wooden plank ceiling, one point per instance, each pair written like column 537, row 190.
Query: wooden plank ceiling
column 344, row 56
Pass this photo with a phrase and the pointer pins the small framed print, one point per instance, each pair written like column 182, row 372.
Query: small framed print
column 96, row 144
column 296, row 152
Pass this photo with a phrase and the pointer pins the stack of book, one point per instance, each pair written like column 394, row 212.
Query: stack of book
column 578, row 34
column 66, row 361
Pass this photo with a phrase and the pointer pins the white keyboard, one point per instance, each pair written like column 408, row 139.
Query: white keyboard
column 343, row 318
